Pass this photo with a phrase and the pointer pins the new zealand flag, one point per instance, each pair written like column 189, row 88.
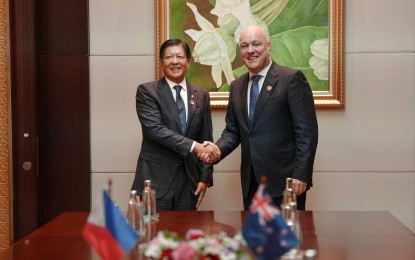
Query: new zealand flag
column 265, row 230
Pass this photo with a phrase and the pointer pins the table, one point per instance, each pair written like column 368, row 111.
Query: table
column 335, row 234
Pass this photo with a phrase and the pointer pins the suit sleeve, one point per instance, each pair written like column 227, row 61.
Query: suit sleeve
column 302, row 109
column 206, row 134
column 230, row 137
column 153, row 126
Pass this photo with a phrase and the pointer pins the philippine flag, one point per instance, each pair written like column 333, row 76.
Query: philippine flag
column 108, row 231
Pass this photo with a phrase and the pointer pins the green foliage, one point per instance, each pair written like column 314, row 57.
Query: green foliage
column 292, row 49
column 300, row 13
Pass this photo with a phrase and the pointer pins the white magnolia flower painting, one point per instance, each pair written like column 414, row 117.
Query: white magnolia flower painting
column 298, row 31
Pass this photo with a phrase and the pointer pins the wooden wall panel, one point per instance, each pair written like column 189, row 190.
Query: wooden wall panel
column 63, row 104
column 62, row 27
column 64, row 147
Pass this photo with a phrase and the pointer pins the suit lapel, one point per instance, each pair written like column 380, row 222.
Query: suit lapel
column 192, row 98
column 244, row 98
column 166, row 94
column 270, row 83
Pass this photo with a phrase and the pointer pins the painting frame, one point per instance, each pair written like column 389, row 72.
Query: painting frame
column 331, row 98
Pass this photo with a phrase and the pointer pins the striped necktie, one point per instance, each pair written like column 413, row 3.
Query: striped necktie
column 254, row 94
column 181, row 108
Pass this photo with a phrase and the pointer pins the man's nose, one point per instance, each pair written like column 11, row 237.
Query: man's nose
column 250, row 49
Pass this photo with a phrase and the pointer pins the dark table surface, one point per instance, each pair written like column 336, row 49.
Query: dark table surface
column 334, row 234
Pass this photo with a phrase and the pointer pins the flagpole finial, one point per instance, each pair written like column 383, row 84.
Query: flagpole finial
column 109, row 186
column 264, row 180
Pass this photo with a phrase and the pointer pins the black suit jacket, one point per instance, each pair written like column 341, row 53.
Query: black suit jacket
column 283, row 139
column 163, row 147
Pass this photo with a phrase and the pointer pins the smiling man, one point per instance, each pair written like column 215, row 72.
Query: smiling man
column 175, row 119
column 271, row 114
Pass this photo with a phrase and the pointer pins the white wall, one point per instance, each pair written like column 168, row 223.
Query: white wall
column 366, row 153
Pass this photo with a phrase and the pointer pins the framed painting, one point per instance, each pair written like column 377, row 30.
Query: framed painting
column 304, row 34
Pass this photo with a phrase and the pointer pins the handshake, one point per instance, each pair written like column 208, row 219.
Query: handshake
column 207, row 152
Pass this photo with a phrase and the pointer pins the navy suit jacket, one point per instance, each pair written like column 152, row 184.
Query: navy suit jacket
column 282, row 141
column 163, row 147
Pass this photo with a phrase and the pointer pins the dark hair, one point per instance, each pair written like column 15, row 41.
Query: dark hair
column 175, row 42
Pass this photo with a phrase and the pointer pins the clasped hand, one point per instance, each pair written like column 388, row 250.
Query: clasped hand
column 207, row 152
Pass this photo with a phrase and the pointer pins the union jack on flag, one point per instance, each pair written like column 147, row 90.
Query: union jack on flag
column 265, row 231
column 261, row 203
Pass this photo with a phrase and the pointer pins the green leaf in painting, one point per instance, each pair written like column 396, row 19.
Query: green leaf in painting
column 292, row 49
column 299, row 13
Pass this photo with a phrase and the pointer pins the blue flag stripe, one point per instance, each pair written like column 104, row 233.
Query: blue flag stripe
column 118, row 225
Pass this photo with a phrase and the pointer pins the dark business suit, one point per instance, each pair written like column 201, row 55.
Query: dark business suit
column 164, row 148
column 282, row 141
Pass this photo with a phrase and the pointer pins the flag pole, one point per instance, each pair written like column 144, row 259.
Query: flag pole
column 109, row 186
column 264, row 180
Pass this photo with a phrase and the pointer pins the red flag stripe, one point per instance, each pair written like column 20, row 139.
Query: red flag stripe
column 103, row 242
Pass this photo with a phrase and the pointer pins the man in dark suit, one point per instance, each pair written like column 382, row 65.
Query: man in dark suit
column 170, row 143
column 280, row 140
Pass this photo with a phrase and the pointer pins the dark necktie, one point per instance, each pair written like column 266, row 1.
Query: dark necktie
column 181, row 108
column 254, row 94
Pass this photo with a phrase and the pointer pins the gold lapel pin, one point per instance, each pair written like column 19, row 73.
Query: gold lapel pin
column 269, row 88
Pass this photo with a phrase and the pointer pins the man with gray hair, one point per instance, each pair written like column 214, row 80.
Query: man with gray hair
column 271, row 113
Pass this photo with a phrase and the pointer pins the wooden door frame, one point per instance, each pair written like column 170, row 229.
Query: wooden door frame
column 5, row 176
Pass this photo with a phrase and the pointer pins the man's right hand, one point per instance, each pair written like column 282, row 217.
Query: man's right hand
column 207, row 152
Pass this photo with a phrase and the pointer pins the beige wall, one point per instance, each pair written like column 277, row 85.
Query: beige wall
column 366, row 153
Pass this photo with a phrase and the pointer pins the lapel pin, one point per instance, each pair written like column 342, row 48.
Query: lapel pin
column 269, row 88
column 192, row 100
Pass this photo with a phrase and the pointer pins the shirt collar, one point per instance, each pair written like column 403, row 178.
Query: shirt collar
column 263, row 72
column 172, row 84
